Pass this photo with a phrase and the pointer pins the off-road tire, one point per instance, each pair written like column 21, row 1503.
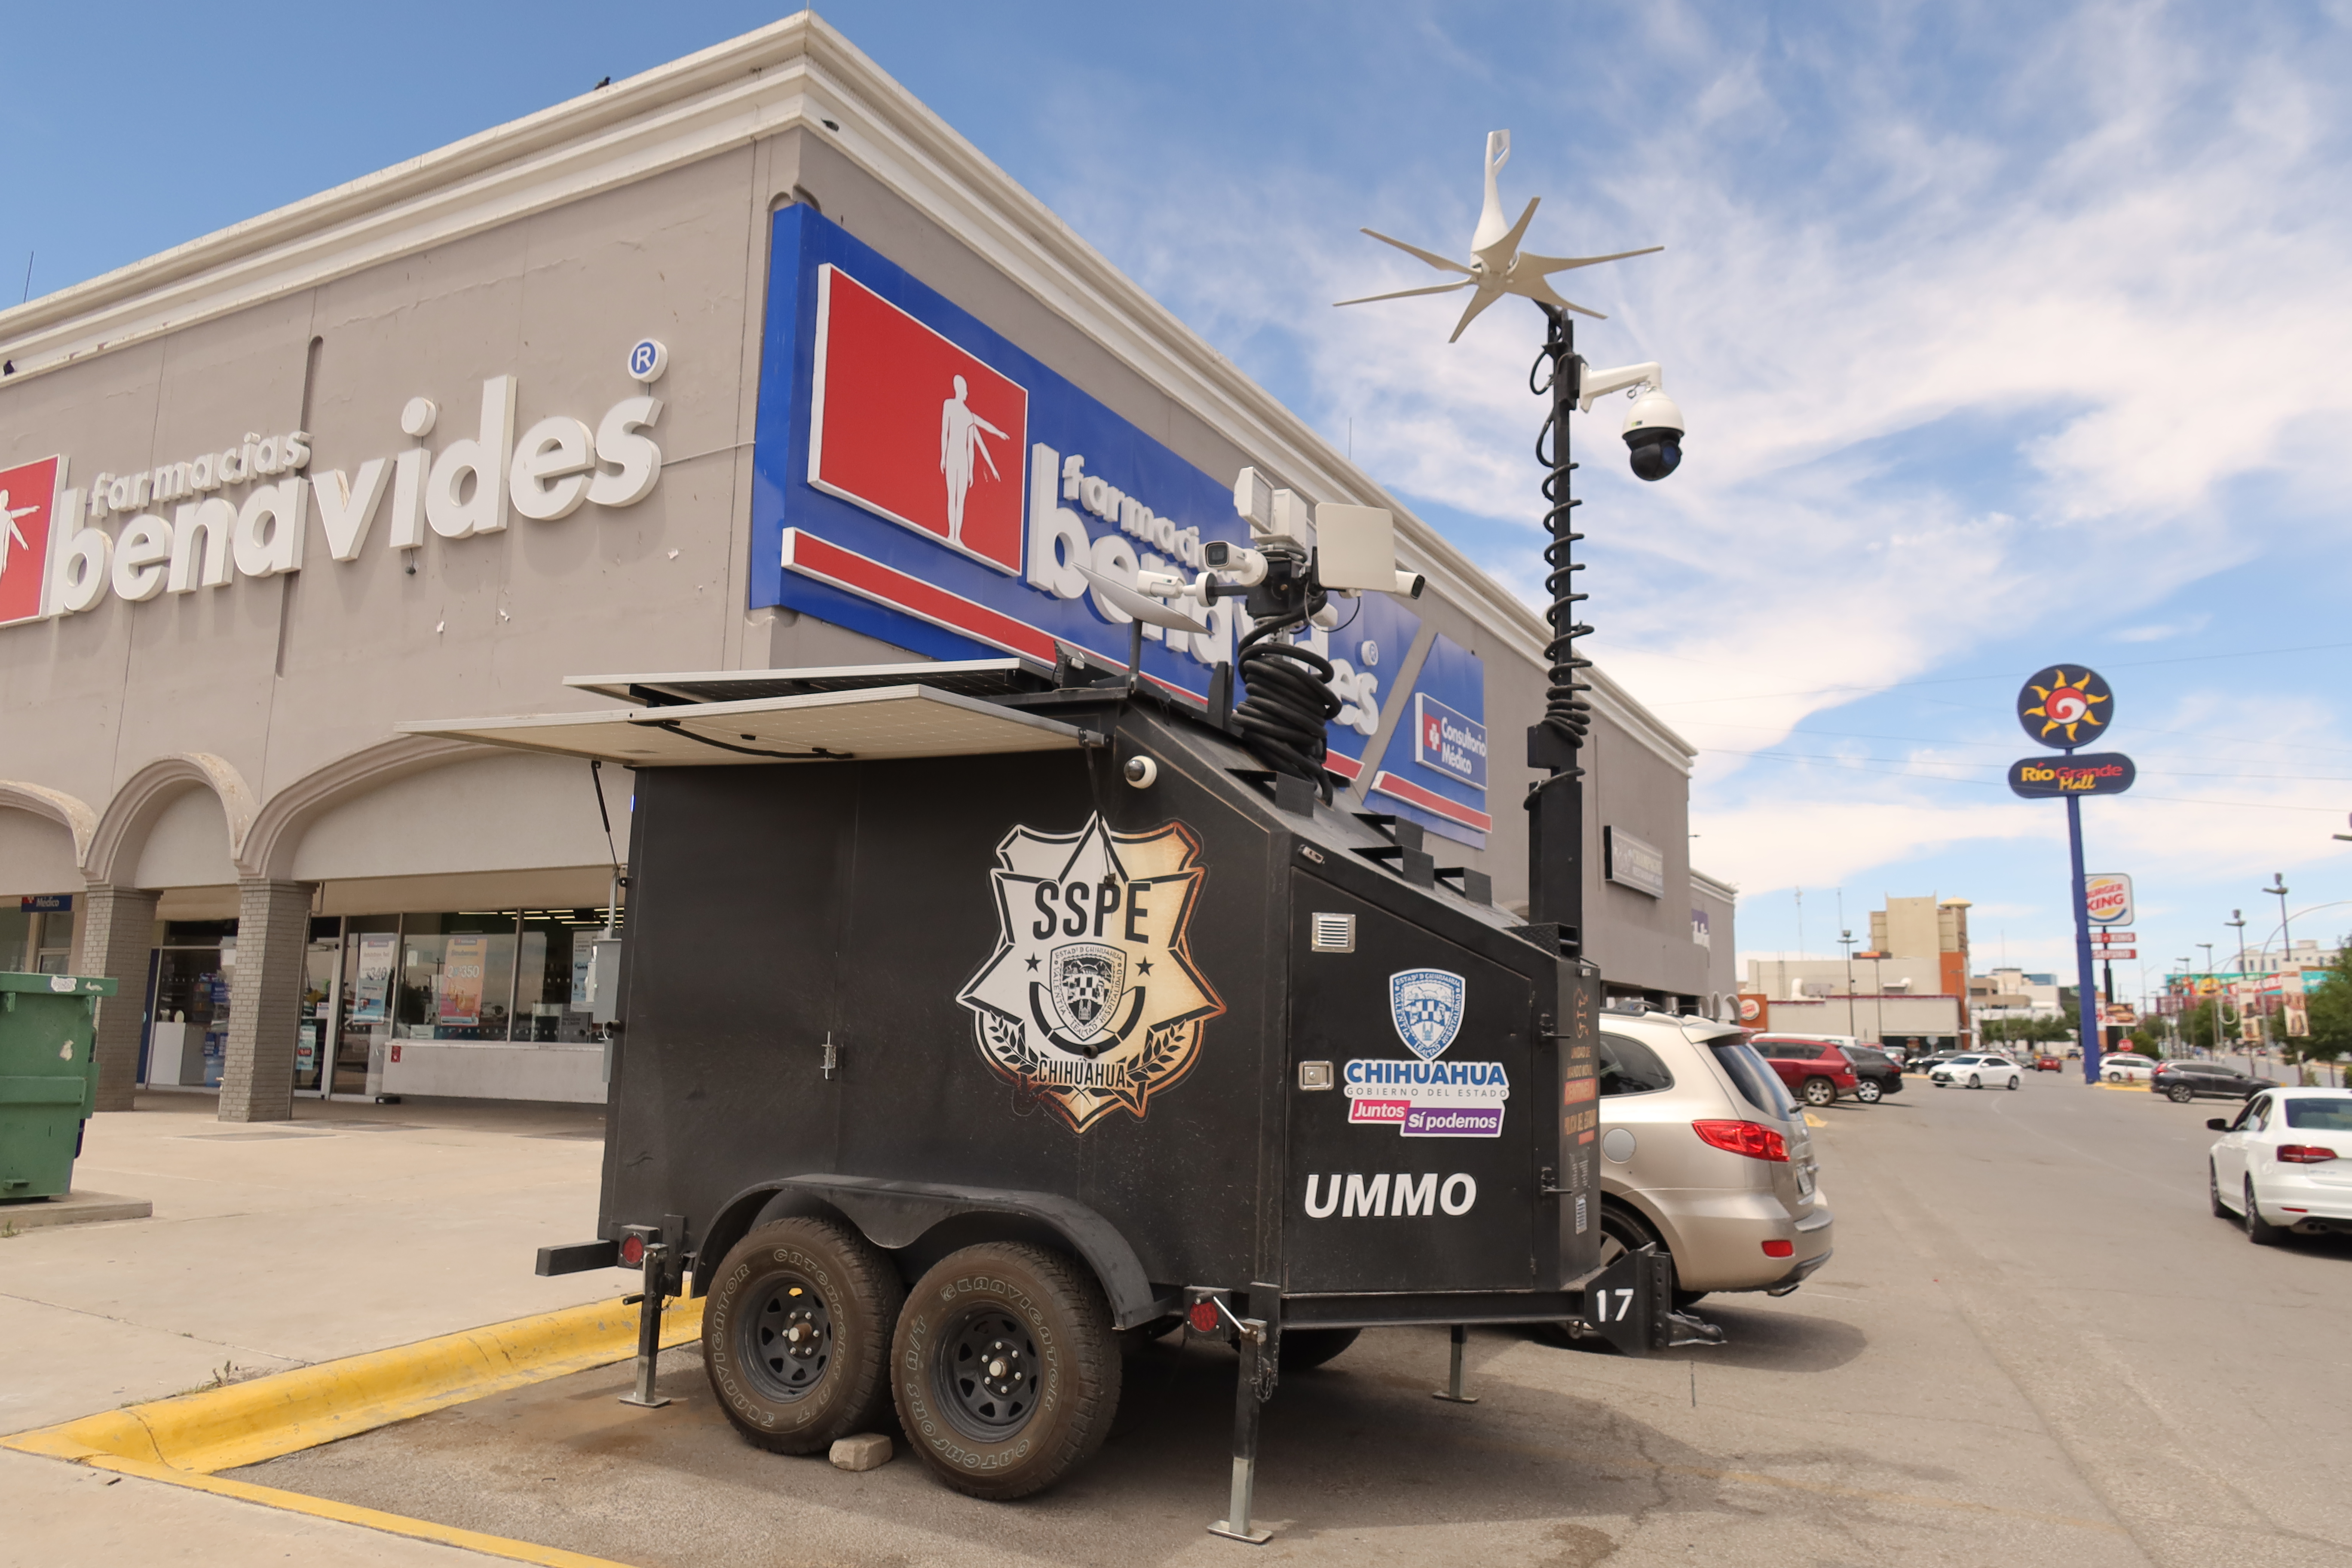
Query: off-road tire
column 2260, row 1231
column 2180, row 1094
column 806, row 1269
column 1304, row 1348
column 1819, row 1091
column 1063, row 1362
column 1868, row 1092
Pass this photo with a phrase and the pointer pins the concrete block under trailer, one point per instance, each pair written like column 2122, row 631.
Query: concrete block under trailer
column 941, row 1070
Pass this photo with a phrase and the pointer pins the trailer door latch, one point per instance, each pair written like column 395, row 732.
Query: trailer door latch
column 831, row 1061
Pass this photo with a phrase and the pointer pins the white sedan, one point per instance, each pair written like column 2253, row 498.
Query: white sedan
column 2285, row 1162
column 2123, row 1067
column 1976, row 1072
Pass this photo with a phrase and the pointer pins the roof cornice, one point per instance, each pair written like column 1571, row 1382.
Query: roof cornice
column 793, row 74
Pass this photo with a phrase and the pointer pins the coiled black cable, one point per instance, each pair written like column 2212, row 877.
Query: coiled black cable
column 1566, row 712
column 1290, row 700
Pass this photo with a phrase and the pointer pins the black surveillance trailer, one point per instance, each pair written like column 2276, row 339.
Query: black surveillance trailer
column 1002, row 1026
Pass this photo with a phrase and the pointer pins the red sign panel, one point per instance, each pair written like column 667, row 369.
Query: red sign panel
column 914, row 427
column 27, row 492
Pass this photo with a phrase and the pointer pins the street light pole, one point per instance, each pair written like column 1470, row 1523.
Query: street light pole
column 1846, row 938
column 2237, row 920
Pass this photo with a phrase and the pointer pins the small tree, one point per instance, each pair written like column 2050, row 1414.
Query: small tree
column 2330, row 1006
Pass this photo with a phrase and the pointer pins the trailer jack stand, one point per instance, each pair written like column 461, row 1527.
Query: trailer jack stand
column 1249, row 1399
column 1452, row 1392
column 649, row 1311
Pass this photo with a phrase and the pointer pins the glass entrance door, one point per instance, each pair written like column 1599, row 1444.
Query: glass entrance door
column 314, row 1036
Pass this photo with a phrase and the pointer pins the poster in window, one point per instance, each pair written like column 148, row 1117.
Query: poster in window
column 372, row 992
column 463, row 962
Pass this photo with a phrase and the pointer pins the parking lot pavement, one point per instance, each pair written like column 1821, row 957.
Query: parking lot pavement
column 2011, row 1359
column 350, row 1228
column 2034, row 1345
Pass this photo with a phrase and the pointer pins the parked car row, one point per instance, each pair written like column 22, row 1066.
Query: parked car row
column 1818, row 1070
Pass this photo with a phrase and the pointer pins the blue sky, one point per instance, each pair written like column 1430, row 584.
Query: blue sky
column 2008, row 333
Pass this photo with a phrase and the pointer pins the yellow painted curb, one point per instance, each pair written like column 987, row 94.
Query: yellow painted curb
column 222, row 1428
column 343, row 1512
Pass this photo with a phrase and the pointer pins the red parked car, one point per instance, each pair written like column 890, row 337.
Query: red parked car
column 1816, row 1072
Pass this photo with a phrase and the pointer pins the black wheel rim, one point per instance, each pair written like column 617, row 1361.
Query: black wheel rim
column 785, row 1338
column 987, row 1374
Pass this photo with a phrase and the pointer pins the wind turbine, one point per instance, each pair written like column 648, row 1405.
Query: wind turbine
column 1497, row 267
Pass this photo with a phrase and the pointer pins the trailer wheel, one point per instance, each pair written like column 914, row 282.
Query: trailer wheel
column 796, row 1334
column 1005, row 1370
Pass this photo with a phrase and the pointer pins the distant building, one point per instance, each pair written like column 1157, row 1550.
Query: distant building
column 1909, row 987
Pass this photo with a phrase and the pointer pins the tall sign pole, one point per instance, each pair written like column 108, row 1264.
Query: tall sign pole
column 2066, row 706
column 2086, row 990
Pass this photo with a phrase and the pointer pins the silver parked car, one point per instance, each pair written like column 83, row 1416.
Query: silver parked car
column 1703, row 1153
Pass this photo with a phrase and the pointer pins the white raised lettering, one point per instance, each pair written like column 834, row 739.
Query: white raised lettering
column 635, row 460
column 1365, row 1197
column 482, row 458
column 1458, row 1194
column 213, row 521
column 346, row 511
column 559, row 448
column 1421, row 1197
column 139, row 558
column 1057, row 540
column 270, row 531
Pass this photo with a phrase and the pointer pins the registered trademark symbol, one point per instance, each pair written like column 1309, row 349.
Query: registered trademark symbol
column 649, row 359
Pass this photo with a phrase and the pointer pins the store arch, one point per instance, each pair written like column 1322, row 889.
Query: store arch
column 44, row 836
column 117, row 849
column 281, row 827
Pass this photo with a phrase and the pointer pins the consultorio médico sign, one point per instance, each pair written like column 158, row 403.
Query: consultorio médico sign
column 191, row 524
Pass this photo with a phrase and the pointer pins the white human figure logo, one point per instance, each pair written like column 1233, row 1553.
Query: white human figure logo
column 13, row 534
column 960, row 442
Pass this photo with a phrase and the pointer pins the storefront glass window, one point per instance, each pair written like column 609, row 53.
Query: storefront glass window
column 15, row 933
column 552, row 978
column 457, row 976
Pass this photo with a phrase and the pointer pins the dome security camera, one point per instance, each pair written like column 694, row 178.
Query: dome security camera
column 1654, row 435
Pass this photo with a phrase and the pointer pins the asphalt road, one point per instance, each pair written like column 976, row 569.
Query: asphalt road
column 2034, row 1345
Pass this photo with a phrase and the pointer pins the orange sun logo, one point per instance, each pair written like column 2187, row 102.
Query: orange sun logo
column 2066, row 706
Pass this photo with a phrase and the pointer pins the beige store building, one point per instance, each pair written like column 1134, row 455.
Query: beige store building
column 543, row 403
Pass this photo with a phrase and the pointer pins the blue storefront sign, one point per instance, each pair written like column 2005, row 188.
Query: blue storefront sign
column 1433, row 771
column 43, row 904
column 922, row 479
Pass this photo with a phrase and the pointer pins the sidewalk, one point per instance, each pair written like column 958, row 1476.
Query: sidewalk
column 272, row 1244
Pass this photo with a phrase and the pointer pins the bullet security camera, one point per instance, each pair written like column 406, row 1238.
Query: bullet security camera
column 1410, row 584
column 1654, row 435
column 1246, row 566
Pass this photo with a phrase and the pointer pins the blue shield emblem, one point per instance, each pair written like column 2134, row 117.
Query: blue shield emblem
column 1427, row 1006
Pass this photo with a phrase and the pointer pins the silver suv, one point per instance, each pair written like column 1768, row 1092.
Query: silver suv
column 1703, row 1153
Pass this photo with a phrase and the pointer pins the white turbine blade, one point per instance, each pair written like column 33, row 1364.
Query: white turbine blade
column 1562, row 263
column 1510, row 243
column 1407, row 293
column 1440, row 262
column 1485, row 297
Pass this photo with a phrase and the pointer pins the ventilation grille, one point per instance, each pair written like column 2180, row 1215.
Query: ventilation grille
column 1334, row 934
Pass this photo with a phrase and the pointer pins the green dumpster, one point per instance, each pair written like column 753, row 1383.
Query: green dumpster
column 49, row 1078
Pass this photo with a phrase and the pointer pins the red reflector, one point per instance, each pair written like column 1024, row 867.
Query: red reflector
column 632, row 1250
column 1205, row 1317
column 2298, row 1211
column 1751, row 1138
column 1779, row 1249
column 2304, row 1153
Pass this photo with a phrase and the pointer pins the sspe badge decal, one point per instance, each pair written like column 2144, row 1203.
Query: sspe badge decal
column 1091, row 1002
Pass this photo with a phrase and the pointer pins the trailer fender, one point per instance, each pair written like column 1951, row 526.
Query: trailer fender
column 894, row 1215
